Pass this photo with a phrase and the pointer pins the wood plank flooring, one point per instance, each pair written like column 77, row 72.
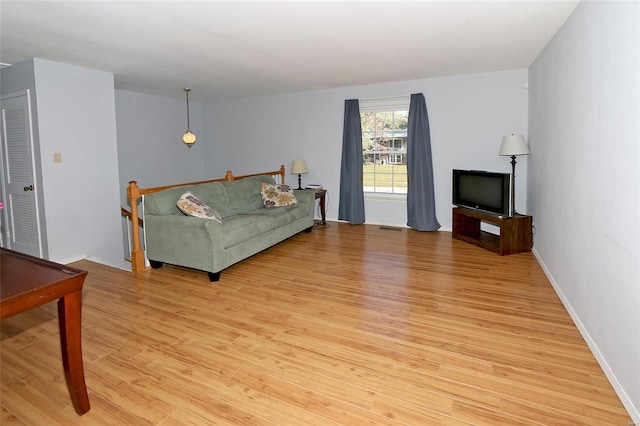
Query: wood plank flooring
column 347, row 325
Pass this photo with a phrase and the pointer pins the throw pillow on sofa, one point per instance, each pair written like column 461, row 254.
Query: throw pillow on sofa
column 277, row 195
column 190, row 205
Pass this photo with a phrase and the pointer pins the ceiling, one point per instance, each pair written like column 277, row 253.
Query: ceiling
column 234, row 49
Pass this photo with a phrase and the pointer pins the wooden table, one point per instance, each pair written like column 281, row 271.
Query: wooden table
column 27, row 282
column 321, row 194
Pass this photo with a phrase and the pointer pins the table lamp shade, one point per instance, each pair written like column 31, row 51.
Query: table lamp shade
column 299, row 167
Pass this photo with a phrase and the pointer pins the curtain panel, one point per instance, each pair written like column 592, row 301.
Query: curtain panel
column 421, row 206
column 351, row 205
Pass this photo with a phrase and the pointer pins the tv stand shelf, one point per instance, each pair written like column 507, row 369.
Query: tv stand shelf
column 516, row 233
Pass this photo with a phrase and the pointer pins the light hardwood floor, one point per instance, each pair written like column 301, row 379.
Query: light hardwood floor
column 346, row 325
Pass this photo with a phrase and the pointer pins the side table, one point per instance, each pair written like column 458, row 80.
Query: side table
column 320, row 194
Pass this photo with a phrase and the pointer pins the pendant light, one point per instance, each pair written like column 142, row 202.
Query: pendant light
column 189, row 138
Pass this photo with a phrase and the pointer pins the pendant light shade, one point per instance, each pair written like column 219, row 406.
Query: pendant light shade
column 189, row 138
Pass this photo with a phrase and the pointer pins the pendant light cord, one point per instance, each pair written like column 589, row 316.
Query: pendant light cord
column 188, row 122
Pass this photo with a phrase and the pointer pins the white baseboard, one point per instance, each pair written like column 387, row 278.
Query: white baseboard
column 123, row 265
column 71, row 259
column 634, row 411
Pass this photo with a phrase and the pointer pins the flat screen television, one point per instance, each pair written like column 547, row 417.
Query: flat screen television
column 486, row 191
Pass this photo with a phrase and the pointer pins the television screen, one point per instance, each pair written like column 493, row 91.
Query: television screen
column 486, row 191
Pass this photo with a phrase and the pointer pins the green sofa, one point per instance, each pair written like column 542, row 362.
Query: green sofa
column 247, row 226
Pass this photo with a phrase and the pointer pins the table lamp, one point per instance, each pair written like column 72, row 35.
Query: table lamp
column 299, row 167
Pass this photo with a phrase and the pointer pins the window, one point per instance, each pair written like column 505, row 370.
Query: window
column 384, row 145
column 396, row 159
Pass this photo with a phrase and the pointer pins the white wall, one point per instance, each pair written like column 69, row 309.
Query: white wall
column 150, row 147
column 76, row 117
column 584, row 180
column 468, row 116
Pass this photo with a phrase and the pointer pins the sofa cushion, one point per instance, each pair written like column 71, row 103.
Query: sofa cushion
column 212, row 194
column 190, row 205
column 277, row 195
column 243, row 227
column 244, row 194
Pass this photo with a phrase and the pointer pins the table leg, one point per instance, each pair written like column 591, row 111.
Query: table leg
column 322, row 210
column 69, row 318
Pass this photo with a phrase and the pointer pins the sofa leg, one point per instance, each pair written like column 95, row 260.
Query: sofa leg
column 214, row 276
column 155, row 264
column 309, row 229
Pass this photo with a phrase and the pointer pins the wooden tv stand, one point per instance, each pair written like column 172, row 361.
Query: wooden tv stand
column 516, row 233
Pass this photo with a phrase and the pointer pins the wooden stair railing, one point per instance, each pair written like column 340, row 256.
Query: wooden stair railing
column 126, row 213
column 134, row 193
column 130, row 226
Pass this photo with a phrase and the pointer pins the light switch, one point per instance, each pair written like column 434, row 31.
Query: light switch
column 57, row 157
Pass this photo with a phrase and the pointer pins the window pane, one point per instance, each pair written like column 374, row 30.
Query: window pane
column 384, row 150
column 367, row 121
column 401, row 119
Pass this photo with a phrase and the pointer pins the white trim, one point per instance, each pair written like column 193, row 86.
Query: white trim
column 35, row 181
column 393, row 103
column 129, row 223
column 144, row 234
column 73, row 259
column 385, row 196
column 617, row 386
column 386, row 97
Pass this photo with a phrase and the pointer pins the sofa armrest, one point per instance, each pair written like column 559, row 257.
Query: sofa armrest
column 186, row 241
column 307, row 198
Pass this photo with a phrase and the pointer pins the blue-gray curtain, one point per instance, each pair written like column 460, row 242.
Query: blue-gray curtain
column 421, row 205
column 351, row 206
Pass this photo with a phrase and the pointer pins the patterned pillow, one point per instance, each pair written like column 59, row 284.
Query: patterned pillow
column 277, row 195
column 190, row 205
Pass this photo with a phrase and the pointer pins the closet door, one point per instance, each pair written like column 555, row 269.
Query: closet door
column 20, row 219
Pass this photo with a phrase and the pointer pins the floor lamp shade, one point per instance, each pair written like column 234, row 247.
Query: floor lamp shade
column 514, row 145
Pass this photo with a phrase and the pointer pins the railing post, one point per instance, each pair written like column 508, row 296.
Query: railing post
column 137, row 255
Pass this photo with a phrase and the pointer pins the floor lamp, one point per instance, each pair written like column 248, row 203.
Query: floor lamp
column 513, row 145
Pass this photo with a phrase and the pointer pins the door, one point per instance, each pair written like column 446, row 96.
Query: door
column 20, row 223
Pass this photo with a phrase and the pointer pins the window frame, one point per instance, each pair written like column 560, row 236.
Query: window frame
column 377, row 105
